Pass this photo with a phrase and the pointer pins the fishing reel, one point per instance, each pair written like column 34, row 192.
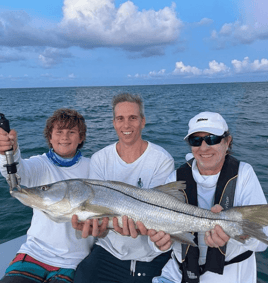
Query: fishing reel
column 13, row 178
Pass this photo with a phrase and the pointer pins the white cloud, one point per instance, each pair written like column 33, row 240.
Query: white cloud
column 180, row 68
column 238, row 33
column 214, row 34
column 205, row 21
column 71, row 76
column 53, row 56
column 94, row 23
column 252, row 26
column 246, row 66
column 226, row 29
column 157, row 74
column 151, row 74
column 216, row 68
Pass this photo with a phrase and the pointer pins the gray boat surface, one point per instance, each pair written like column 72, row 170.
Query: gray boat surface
column 8, row 251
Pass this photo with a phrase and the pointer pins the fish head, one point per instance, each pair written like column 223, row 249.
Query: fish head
column 58, row 200
column 41, row 197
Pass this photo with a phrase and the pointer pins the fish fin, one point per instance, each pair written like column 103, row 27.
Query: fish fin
column 183, row 237
column 255, row 217
column 98, row 211
column 239, row 239
column 176, row 189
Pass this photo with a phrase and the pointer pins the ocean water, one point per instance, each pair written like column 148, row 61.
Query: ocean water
column 168, row 109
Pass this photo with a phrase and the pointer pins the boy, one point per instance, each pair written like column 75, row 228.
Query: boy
column 52, row 250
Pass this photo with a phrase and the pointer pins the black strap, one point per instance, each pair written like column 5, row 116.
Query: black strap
column 236, row 259
column 224, row 195
column 239, row 258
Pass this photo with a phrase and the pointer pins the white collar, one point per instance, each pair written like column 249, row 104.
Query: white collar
column 206, row 181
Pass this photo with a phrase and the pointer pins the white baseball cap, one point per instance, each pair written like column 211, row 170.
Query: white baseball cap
column 209, row 122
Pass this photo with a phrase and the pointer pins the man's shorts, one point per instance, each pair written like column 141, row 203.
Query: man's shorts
column 24, row 268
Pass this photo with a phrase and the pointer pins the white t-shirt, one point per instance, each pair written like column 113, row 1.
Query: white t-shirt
column 150, row 170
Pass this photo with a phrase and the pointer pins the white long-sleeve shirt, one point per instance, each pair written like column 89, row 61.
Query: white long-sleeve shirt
column 47, row 241
column 248, row 192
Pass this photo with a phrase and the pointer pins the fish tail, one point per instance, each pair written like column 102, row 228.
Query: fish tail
column 255, row 217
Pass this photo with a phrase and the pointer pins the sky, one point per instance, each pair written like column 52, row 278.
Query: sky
column 62, row 43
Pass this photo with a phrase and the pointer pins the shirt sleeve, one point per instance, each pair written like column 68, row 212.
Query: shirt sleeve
column 96, row 168
column 29, row 170
column 163, row 171
column 172, row 177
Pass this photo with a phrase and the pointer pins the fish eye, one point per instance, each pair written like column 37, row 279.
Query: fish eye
column 44, row 188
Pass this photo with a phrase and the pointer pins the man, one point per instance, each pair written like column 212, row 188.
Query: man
column 214, row 177
column 52, row 251
column 131, row 160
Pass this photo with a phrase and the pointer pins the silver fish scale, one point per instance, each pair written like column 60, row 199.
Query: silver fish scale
column 151, row 215
column 157, row 210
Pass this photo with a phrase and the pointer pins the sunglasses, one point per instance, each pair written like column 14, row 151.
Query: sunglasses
column 210, row 140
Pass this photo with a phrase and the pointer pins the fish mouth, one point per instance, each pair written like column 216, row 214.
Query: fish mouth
column 18, row 191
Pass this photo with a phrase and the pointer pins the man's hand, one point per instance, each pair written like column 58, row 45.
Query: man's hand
column 216, row 237
column 129, row 227
column 90, row 227
column 161, row 239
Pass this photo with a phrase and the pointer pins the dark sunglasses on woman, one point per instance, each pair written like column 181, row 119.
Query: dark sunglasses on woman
column 210, row 139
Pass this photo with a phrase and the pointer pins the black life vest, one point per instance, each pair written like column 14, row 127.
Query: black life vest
column 224, row 195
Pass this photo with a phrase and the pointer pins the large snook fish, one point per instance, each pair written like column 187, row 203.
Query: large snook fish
column 160, row 208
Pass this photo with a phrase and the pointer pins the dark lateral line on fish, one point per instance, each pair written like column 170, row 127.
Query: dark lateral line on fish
column 197, row 216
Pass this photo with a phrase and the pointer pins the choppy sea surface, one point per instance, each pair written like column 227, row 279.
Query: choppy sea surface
column 168, row 109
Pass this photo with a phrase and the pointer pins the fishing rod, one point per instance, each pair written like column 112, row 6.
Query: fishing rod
column 11, row 166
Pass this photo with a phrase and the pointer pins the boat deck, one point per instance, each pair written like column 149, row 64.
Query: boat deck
column 8, row 251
